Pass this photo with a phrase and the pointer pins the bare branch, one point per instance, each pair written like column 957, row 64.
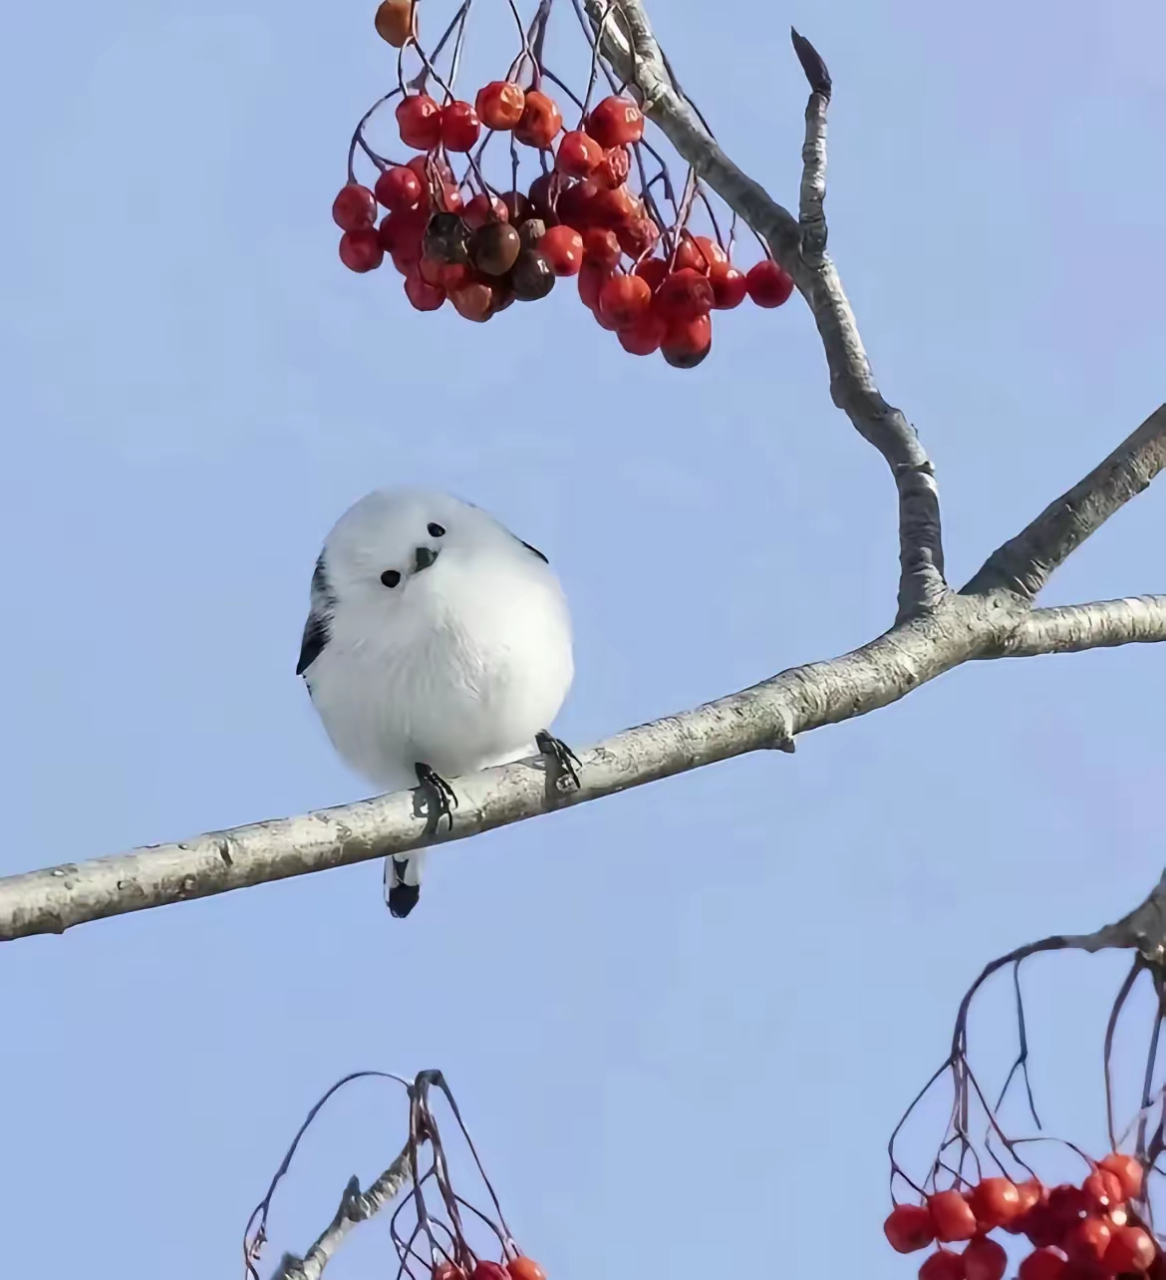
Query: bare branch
column 766, row 715
column 635, row 56
column 1074, row 628
column 811, row 215
column 355, row 1206
column 1025, row 563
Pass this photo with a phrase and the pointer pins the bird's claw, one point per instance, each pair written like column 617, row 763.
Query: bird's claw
column 442, row 797
column 563, row 756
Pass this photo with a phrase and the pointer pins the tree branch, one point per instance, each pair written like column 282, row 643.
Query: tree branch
column 1025, row 563
column 635, row 56
column 764, row 716
column 355, row 1206
column 1074, row 628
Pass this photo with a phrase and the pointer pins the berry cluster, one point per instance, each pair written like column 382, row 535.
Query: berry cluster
column 644, row 277
column 519, row 1268
column 1084, row 1232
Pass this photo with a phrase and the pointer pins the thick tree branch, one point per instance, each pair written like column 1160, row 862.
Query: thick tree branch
column 767, row 715
column 635, row 56
column 1074, row 628
column 355, row 1206
column 1025, row 563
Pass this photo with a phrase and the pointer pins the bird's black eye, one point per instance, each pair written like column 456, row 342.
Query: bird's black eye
column 435, row 530
column 390, row 577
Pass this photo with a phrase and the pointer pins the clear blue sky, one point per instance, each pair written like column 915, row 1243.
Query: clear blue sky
column 681, row 1021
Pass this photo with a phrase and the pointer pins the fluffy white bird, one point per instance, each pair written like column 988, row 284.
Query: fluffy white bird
column 438, row 643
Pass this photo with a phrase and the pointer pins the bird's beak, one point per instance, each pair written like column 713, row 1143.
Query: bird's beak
column 423, row 557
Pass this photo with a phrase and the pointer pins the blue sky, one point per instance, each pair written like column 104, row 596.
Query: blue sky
column 681, row 1021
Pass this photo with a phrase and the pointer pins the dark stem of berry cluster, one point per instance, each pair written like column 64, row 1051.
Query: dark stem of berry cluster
column 1144, row 932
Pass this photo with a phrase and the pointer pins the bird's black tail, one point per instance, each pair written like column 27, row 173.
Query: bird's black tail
column 403, row 884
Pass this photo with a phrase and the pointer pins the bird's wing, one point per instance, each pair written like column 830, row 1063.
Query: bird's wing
column 317, row 630
column 536, row 551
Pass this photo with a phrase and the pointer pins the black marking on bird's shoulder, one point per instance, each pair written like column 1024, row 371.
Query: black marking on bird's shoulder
column 536, row 551
column 317, row 629
column 320, row 585
column 316, row 636
column 403, row 898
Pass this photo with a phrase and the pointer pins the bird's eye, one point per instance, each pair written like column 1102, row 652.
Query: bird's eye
column 435, row 530
column 390, row 577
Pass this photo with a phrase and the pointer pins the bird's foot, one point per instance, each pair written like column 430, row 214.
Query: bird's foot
column 442, row 800
column 563, row 756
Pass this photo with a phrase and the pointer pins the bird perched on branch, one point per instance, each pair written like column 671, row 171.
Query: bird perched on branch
column 438, row 643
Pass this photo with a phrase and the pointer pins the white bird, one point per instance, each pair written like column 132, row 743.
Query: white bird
column 438, row 643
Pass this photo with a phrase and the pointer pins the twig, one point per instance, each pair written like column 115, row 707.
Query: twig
column 355, row 1207
column 1025, row 563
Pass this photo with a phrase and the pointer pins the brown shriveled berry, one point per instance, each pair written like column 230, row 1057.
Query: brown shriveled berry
column 394, row 21
column 494, row 248
column 446, row 239
column 531, row 277
column 531, row 231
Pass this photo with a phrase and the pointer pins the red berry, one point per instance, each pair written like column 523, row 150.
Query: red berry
column 489, row 1271
column 482, row 209
column 563, row 249
column 1131, row 1250
column 474, row 301
column 684, row 295
column 447, row 1271
column 500, row 103
column 613, row 206
column 354, row 208
column 942, row 1265
column 1128, row 1170
column 400, row 233
column 361, row 250
column 769, row 285
column 399, row 189
column 540, row 122
column 419, row 121
column 575, row 204
column 517, row 206
column 984, row 1259
column 1067, row 1206
column 637, row 237
column 654, row 270
column 729, row 286
column 460, row 127
column 1104, row 1190
column 613, row 169
column 908, row 1227
column 710, row 252
column 592, row 278
column 543, row 196
column 689, row 256
column 623, row 300
column 687, row 342
column 994, row 1201
column 578, row 155
column 952, row 1216
column 644, row 338
column 601, row 247
column 602, row 321
column 447, row 276
column 615, row 122
column 421, row 294
column 1042, row 1264
column 1088, row 1240
column 524, row 1268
